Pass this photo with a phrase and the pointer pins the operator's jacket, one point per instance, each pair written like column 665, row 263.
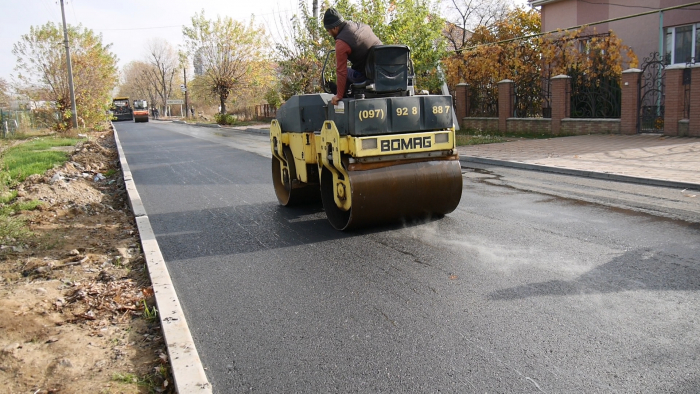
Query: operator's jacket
column 352, row 43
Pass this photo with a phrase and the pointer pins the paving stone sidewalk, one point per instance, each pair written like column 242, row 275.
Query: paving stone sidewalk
column 641, row 157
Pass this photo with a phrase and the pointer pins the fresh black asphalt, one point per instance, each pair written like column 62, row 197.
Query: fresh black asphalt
column 513, row 292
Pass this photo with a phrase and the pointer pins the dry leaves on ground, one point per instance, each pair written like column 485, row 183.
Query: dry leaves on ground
column 76, row 306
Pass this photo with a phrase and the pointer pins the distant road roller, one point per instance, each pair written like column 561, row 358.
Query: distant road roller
column 140, row 111
column 381, row 155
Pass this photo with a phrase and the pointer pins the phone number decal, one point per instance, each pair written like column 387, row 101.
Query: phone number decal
column 371, row 114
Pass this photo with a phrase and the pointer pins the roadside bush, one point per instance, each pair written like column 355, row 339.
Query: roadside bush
column 225, row 119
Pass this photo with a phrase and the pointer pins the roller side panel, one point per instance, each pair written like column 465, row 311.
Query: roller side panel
column 381, row 116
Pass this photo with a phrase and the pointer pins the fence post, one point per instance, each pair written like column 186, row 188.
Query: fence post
column 561, row 101
column 694, row 123
column 673, row 102
column 461, row 101
column 506, row 92
column 629, row 114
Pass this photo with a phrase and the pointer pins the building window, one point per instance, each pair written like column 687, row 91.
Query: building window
column 683, row 44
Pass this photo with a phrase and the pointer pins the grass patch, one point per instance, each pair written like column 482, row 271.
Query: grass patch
column 128, row 378
column 11, row 209
column 12, row 229
column 34, row 157
column 150, row 314
column 464, row 140
column 478, row 136
column 6, row 196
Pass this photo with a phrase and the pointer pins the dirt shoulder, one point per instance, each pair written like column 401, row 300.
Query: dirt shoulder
column 76, row 304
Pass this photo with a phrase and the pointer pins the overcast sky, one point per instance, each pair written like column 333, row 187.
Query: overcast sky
column 129, row 24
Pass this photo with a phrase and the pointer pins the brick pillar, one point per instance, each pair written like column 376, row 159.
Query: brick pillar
column 694, row 124
column 673, row 100
column 506, row 91
column 630, row 89
column 462, row 101
column 561, row 101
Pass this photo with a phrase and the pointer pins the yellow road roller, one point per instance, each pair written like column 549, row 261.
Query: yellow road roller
column 381, row 155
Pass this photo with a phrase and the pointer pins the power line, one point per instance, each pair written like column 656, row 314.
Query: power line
column 144, row 28
column 286, row 11
column 168, row 27
column 48, row 7
column 73, row 8
column 629, row 6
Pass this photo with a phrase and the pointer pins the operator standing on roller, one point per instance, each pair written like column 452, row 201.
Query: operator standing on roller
column 352, row 42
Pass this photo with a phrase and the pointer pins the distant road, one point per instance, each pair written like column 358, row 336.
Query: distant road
column 515, row 291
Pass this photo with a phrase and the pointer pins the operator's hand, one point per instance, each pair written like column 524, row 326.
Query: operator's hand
column 335, row 100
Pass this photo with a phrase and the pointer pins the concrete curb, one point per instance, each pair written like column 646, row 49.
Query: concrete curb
column 186, row 365
column 216, row 126
column 589, row 174
column 265, row 131
column 212, row 125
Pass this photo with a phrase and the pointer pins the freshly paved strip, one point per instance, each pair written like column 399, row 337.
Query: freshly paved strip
column 187, row 368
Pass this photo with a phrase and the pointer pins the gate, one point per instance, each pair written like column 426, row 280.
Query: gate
column 650, row 96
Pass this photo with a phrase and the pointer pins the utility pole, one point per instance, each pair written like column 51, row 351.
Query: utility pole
column 74, row 111
column 187, row 107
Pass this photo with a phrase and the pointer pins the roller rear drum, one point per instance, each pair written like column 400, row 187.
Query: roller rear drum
column 405, row 191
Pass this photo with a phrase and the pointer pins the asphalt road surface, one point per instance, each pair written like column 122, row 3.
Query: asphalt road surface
column 515, row 291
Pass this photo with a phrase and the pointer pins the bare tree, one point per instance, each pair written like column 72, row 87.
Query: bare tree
column 232, row 54
column 137, row 82
column 164, row 63
column 464, row 16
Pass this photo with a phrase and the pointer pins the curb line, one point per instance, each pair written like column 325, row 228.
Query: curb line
column 580, row 173
column 186, row 365
column 212, row 125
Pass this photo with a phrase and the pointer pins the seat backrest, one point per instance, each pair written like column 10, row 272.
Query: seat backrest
column 387, row 67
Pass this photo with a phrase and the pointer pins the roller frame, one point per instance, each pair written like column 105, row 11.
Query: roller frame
column 331, row 141
column 277, row 147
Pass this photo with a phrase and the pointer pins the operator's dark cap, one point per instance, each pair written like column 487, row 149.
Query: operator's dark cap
column 332, row 18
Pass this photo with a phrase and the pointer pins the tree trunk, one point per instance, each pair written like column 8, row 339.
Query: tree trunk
column 222, row 100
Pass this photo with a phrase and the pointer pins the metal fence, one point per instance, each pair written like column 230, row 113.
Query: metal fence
column 595, row 80
column 687, row 81
column 533, row 97
column 651, row 95
column 595, row 97
column 265, row 111
column 483, row 100
column 19, row 121
column 261, row 112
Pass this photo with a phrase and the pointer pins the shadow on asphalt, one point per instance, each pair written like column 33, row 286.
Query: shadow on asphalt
column 251, row 228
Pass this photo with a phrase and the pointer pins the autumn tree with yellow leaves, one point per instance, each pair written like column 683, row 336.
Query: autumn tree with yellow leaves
column 233, row 56
column 513, row 48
